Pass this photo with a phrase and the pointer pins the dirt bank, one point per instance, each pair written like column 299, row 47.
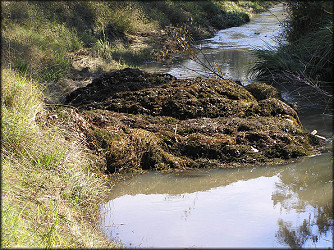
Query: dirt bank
column 135, row 121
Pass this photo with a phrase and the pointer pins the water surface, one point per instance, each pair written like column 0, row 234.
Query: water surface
column 233, row 45
column 282, row 206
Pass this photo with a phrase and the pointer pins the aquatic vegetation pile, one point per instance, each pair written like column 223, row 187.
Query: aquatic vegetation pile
column 188, row 123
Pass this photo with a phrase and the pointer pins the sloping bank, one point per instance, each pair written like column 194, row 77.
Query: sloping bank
column 134, row 121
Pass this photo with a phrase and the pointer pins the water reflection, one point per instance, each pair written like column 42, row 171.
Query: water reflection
column 236, row 65
column 310, row 231
column 266, row 207
column 305, row 190
column 259, row 32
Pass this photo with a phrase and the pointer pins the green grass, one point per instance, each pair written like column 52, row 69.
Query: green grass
column 310, row 57
column 304, row 53
column 49, row 193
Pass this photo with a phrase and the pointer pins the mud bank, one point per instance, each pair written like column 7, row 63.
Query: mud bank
column 134, row 121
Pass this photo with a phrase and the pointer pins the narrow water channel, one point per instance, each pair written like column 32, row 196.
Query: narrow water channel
column 233, row 45
column 282, row 206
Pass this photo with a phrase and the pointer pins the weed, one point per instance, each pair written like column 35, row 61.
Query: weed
column 14, row 223
column 21, row 67
column 303, row 57
column 103, row 48
column 178, row 41
column 57, row 70
column 37, row 173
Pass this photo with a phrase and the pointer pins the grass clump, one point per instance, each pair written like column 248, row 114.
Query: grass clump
column 49, row 194
column 308, row 58
column 303, row 57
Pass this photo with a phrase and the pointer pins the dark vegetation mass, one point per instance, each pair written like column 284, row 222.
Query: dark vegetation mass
column 180, row 124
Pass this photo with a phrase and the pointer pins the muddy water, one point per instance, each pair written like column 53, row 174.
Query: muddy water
column 232, row 45
column 262, row 207
column 280, row 206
